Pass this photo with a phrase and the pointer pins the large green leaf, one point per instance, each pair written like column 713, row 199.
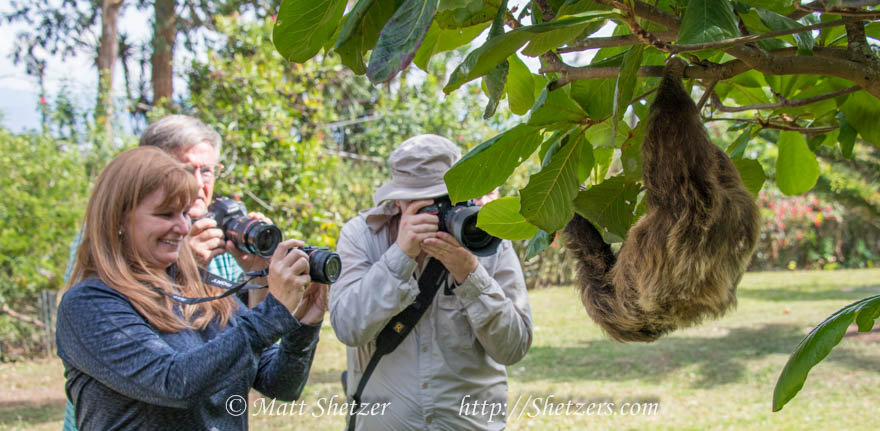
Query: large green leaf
column 547, row 199
column 551, row 40
column 596, row 96
column 538, row 243
column 556, row 107
column 353, row 20
column 751, row 173
column 846, row 137
column 609, row 205
column 783, row 7
column 626, row 83
column 439, row 40
column 364, row 26
column 796, row 167
column 861, row 111
column 483, row 59
column 501, row 218
column 495, row 80
column 400, row 38
column 818, row 343
column 520, row 86
column 457, row 4
column 775, row 21
column 587, row 160
column 303, row 26
column 474, row 12
column 707, row 21
column 488, row 165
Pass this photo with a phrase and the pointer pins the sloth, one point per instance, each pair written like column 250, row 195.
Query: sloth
column 682, row 261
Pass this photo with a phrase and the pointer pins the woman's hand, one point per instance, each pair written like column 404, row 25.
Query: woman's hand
column 314, row 302
column 289, row 273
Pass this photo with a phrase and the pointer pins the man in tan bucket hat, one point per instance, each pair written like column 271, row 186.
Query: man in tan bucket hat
column 449, row 372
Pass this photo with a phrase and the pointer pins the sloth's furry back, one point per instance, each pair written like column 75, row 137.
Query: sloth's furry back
column 682, row 261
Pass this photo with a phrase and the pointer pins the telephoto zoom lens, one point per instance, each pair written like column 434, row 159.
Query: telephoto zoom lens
column 461, row 221
column 262, row 238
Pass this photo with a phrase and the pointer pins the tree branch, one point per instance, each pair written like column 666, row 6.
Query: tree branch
column 712, row 71
column 779, row 126
column 716, row 103
column 809, row 8
column 612, row 41
column 22, row 317
column 710, row 90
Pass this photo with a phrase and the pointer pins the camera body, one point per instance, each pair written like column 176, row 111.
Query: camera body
column 249, row 235
column 460, row 220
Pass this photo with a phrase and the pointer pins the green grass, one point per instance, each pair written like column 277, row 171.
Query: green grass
column 716, row 376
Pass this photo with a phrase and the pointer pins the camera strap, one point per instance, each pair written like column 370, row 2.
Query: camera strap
column 396, row 330
column 215, row 280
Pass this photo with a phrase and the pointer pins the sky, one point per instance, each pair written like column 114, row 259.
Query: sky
column 19, row 93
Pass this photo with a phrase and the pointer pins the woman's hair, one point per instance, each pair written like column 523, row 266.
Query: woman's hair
column 177, row 133
column 107, row 253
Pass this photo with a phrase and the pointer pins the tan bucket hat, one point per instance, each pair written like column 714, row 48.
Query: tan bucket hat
column 417, row 168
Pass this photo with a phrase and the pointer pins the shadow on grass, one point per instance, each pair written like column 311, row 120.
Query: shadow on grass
column 719, row 360
column 30, row 414
column 805, row 294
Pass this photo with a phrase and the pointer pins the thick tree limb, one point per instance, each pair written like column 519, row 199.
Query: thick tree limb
column 714, row 72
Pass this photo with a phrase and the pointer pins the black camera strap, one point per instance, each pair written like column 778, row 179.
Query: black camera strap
column 215, row 280
column 396, row 330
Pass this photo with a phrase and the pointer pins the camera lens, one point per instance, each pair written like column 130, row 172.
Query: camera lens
column 261, row 238
column 472, row 236
column 462, row 223
column 324, row 266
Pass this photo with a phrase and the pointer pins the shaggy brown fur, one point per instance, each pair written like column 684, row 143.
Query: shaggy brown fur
column 682, row 261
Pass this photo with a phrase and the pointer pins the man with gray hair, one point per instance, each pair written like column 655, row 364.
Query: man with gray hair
column 194, row 143
column 448, row 370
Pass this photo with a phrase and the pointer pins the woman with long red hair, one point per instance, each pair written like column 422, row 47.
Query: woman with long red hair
column 134, row 357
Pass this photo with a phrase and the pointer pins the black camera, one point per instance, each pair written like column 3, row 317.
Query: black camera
column 324, row 265
column 249, row 235
column 460, row 220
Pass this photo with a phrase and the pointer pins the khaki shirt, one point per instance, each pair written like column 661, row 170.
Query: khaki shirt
column 449, row 372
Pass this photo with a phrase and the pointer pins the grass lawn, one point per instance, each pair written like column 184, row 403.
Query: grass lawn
column 719, row 375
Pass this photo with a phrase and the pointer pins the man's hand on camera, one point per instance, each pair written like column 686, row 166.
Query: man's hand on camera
column 289, row 273
column 249, row 262
column 206, row 241
column 415, row 228
column 314, row 302
column 458, row 260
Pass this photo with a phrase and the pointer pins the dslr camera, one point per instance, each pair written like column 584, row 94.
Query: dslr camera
column 256, row 237
column 460, row 220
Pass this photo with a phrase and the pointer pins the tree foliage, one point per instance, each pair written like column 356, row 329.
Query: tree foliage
column 45, row 185
column 307, row 143
column 808, row 70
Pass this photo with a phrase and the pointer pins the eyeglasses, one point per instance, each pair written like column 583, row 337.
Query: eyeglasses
column 207, row 172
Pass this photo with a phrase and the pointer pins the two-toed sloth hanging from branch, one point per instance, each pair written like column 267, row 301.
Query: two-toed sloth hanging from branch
column 682, row 261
